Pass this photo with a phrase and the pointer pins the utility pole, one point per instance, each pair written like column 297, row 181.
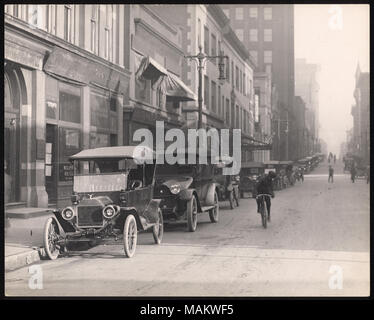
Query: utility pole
column 201, row 58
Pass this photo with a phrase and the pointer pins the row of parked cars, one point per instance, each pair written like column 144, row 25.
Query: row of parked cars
column 118, row 191
column 287, row 172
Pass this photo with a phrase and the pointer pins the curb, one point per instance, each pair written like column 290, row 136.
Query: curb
column 20, row 260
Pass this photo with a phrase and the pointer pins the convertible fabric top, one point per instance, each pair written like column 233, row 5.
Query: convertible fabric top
column 134, row 152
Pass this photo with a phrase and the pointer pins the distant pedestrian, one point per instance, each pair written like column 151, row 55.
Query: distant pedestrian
column 353, row 172
column 334, row 158
column 331, row 174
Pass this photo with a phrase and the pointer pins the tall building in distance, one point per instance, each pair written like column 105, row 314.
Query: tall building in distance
column 307, row 87
column 267, row 31
column 361, row 117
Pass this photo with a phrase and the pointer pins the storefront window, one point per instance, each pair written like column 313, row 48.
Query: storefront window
column 98, row 140
column 69, row 144
column 70, row 103
column 99, row 111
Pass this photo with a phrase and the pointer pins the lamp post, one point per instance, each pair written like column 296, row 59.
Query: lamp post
column 201, row 58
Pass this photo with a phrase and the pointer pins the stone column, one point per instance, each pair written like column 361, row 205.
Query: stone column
column 86, row 119
column 38, row 194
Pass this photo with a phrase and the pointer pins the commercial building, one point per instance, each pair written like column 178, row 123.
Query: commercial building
column 361, row 116
column 227, row 104
column 77, row 77
column 307, row 87
column 66, row 82
column 267, row 31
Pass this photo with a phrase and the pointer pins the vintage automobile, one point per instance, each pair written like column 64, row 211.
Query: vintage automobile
column 250, row 172
column 227, row 185
column 304, row 164
column 186, row 190
column 112, row 200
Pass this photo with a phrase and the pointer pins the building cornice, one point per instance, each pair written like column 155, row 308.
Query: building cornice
column 49, row 40
column 157, row 34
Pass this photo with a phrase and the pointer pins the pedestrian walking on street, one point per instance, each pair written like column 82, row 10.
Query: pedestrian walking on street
column 353, row 173
column 331, row 174
column 334, row 158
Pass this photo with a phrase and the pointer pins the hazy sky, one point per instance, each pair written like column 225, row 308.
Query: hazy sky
column 337, row 38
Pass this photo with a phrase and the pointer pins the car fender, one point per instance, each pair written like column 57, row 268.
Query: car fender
column 63, row 225
column 209, row 199
column 186, row 194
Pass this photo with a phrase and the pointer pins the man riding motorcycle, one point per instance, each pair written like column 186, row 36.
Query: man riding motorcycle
column 265, row 186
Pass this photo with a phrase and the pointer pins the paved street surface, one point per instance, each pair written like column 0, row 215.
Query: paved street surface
column 319, row 231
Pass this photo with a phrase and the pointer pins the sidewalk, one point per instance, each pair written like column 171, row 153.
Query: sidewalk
column 24, row 236
column 18, row 256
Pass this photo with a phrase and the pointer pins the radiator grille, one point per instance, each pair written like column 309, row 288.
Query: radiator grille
column 90, row 216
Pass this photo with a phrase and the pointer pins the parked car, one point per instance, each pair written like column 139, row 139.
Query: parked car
column 186, row 190
column 112, row 200
column 227, row 185
column 250, row 172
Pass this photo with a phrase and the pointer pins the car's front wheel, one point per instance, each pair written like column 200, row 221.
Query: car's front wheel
column 214, row 213
column 158, row 228
column 51, row 236
column 130, row 236
column 192, row 214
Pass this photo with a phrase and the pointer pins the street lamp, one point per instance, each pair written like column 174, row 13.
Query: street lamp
column 200, row 58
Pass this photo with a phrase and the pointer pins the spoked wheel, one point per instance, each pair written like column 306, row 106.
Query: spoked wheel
column 51, row 236
column 214, row 213
column 192, row 214
column 158, row 229
column 231, row 199
column 264, row 214
column 130, row 236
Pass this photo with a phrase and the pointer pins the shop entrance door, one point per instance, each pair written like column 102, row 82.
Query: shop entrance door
column 51, row 163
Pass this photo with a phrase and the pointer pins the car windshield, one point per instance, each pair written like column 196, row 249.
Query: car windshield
column 102, row 175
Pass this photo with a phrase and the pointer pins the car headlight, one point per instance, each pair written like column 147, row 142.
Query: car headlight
column 175, row 188
column 67, row 213
column 109, row 212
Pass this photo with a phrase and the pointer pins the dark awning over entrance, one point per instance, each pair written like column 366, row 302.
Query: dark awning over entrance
column 150, row 69
column 176, row 89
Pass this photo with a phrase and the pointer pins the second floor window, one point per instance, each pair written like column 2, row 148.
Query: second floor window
column 268, row 35
column 214, row 97
column 206, row 91
column 206, row 40
column 268, row 56
column 268, row 13
column 253, row 35
column 94, row 27
column 228, row 70
column 214, row 47
column 67, row 23
column 239, row 13
column 237, row 78
column 253, row 12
